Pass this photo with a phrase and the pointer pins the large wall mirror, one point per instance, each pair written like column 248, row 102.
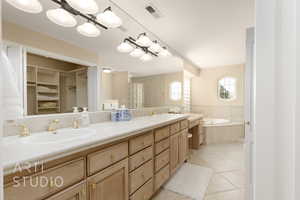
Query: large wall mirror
column 61, row 67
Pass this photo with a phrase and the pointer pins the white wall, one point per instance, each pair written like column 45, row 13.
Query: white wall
column 275, row 100
column 1, row 113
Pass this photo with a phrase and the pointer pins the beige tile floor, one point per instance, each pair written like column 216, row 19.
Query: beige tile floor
column 228, row 181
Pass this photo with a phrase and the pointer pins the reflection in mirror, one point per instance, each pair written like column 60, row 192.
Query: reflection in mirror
column 54, row 86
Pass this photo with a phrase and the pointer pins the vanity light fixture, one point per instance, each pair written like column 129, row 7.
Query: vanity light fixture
column 164, row 52
column 155, row 47
column 30, row 6
column 69, row 9
column 146, row 57
column 143, row 40
column 88, row 29
column 61, row 17
column 84, row 6
column 109, row 18
column 137, row 52
column 145, row 53
column 125, row 47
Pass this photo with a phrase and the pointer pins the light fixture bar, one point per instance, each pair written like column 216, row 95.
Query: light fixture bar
column 145, row 49
column 89, row 17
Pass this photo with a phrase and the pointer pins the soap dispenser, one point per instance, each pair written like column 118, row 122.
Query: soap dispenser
column 85, row 117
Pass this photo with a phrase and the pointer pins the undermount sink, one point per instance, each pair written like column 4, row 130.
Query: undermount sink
column 62, row 135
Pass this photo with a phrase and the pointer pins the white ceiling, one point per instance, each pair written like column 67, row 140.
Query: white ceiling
column 105, row 45
column 206, row 32
column 209, row 33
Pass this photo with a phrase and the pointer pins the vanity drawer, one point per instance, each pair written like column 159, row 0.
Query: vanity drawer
column 161, row 177
column 76, row 192
column 162, row 133
column 162, row 160
column 162, row 145
column 145, row 192
column 174, row 128
column 139, row 158
column 139, row 176
column 106, row 157
column 140, row 142
column 46, row 183
column 184, row 124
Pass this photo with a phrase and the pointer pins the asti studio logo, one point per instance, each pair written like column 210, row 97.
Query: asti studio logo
column 39, row 180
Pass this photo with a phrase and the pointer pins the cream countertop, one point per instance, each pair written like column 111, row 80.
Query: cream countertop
column 194, row 116
column 17, row 152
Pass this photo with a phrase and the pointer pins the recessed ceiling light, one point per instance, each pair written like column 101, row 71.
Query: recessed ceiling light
column 146, row 57
column 88, row 29
column 84, row 6
column 61, row 17
column 30, row 6
column 137, row 53
column 143, row 40
column 109, row 18
column 124, row 47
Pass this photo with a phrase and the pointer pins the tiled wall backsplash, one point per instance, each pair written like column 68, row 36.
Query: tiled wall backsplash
column 40, row 123
column 234, row 113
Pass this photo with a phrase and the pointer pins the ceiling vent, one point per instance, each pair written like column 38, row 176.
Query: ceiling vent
column 150, row 8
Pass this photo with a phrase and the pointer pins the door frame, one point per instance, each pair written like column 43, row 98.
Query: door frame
column 249, row 113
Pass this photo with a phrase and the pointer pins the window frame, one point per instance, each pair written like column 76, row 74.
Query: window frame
column 171, row 91
column 235, row 89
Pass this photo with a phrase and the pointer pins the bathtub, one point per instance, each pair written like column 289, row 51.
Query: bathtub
column 218, row 131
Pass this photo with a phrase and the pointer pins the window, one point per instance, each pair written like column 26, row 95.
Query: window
column 227, row 88
column 175, row 91
column 187, row 95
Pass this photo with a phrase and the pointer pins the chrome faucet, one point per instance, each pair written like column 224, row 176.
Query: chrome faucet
column 53, row 126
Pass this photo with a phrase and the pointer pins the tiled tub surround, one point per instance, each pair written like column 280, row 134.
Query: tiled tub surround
column 224, row 133
column 40, row 123
column 120, row 162
column 230, row 112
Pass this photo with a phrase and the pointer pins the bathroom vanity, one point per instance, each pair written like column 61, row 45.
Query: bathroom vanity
column 132, row 163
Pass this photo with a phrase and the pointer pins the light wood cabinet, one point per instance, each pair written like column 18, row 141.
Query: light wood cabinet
column 106, row 157
column 46, row 183
column 183, row 146
column 134, row 167
column 174, row 152
column 178, row 150
column 77, row 192
column 110, row 184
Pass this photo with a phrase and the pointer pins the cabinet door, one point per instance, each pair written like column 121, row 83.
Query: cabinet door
column 183, row 146
column 77, row 192
column 111, row 183
column 174, row 152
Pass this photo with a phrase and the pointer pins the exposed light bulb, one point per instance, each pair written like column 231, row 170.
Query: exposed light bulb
column 30, row 6
column 155, row 47
column 106, row 70
column 84, row 6
column 137, row 53
column 109, row 19
column 124, row 47
column 144, row 41
column 88, row 29
column 146, row 58
column 61, row 17
column 164, row 52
